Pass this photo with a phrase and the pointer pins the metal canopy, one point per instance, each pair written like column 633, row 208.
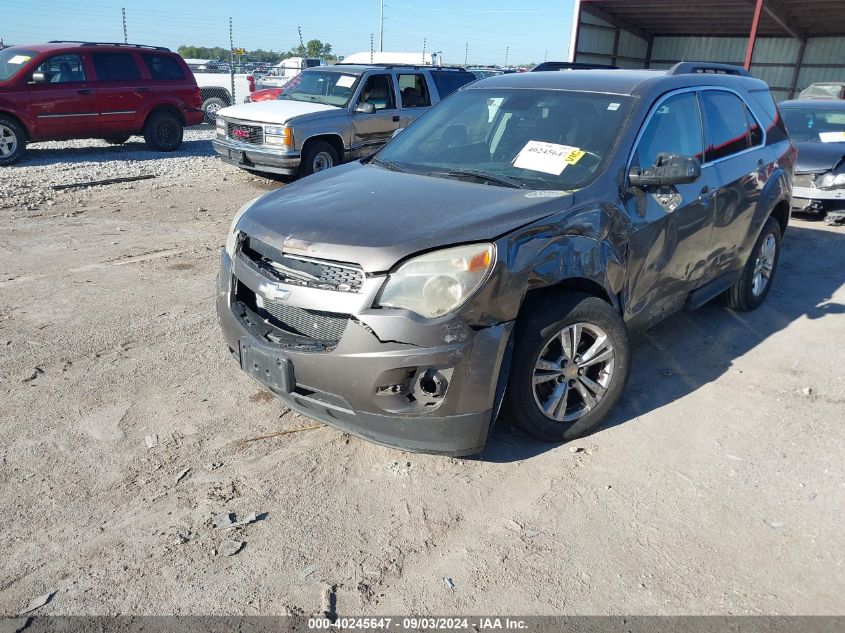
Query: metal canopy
column 729, row 18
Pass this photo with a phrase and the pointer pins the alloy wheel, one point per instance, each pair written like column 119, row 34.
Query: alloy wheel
column 573, row 372
column 764, row 265
column 8, row 141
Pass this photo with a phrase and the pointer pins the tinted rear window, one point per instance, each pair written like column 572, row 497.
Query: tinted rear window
column 115, row 67
column 163, row 67
column 725, row 125
column 448, row 81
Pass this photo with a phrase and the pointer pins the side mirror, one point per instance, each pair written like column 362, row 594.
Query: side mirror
column 396, row 132
column 40, row 78
column 365, row 108
column 668, row 169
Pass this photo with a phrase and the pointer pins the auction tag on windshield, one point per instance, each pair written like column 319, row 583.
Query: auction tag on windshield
column 832, row 137
column 345, row 81
column 19, row 59
column 549, row 158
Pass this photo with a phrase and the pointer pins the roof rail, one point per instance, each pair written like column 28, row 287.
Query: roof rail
column 686, row 68
column 122, row 44
column 416, row 66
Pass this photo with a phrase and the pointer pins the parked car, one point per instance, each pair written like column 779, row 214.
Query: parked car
column 64, row 90
column 474, row 263
column 280, row 74
column 267, row 94
column 330, row 114
column 824, row 90
column 817, row 127
column 483, row 73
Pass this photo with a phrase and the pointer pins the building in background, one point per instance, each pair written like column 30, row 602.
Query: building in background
column 790, row 44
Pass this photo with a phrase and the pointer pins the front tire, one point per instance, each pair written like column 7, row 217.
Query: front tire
column 318, row 156
column 12, row 141
column 571, row 362
column 163, row 132
column 750, row 290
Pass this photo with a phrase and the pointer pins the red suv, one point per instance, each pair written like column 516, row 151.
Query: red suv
column 64, row 90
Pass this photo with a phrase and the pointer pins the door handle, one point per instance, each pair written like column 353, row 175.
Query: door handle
column 85, row 91
column 396, row 118
column 707, row 194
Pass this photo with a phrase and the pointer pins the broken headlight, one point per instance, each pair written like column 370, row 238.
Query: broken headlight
column 232, row 235
column 831, row 181
column 436, row 283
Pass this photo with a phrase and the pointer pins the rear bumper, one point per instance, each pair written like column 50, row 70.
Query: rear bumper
column 194, row 116
column 256, row 158
column 345, row 387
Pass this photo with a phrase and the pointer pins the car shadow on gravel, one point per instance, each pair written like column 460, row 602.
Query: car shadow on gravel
column 131, row 150
column 692, row 349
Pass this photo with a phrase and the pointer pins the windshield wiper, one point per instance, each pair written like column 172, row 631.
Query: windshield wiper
column 387, row 163
column 504, row 181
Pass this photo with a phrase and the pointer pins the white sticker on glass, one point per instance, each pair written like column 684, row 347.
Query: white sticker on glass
column 549, row 158
column 613, row 106
column 832, row 137
column 19, row 59
column 345, row 81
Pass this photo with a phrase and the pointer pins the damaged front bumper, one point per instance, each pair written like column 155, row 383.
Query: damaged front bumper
column 392, row 377
column 257, row 158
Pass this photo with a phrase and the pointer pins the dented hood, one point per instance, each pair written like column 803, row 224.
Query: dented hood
column 818, row 157
column 374, row 217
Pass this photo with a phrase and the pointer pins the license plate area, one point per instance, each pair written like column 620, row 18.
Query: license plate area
column 273, row 371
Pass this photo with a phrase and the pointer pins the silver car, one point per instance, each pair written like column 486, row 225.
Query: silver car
column 329, row 115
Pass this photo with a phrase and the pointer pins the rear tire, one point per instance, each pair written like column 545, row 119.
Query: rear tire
column 117, row 140
column 557, row 390
column 163, row 132
column 210, row 106
column 750, row 290
column 12, row 141
column 318, row 156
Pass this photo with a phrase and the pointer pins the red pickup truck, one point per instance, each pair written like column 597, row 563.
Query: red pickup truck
column 64, row 90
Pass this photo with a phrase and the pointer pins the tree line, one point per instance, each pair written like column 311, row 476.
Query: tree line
column 312, row 48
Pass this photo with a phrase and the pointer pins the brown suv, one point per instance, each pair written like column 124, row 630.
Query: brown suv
column 64, row 90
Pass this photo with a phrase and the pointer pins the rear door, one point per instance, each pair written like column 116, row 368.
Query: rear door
column 64, row 106
column 670, row 243
column 121, row 91
column 375, row 129
column 734, row 140
column 414, row 96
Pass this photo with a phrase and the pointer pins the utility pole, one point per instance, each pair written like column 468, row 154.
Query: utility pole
column 466, row 54
column 125, row 35
column 381, row 31
column 232, row 61
column 301, row 43
column 546, row 56
column 507, row 51
column 424, row 41
column 372, row 46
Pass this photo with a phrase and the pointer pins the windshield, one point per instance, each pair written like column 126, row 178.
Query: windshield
column 535, row 139
column 321, row 87
column 814, row 124
column 12, row 60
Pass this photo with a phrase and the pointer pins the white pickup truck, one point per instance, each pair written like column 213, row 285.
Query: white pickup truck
column 215, row 85
column 280, row 74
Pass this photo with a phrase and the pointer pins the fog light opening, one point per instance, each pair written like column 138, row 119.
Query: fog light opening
column 433, row 384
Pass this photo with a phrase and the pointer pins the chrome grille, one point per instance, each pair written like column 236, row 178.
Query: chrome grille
column 317, row 324
column 303, row 271
column 252, row 134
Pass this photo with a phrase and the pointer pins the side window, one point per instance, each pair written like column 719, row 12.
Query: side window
column 414, row 91
column 674, row 128
column 379, row 91
column 163, row 67
column 447, row 81
column 115, row 67
column 775, row 127
column 63, row 69
column 754, row 128
column 725, row 124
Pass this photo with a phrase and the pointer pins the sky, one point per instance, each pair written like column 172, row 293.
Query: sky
column 527, row 31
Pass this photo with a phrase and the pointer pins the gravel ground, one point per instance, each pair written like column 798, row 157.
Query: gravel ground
column 716, row 487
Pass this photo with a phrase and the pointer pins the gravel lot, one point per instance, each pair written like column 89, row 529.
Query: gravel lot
column 716, row 488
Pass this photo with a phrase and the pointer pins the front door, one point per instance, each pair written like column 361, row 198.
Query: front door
column 670, row 242
column 64, row 104
column 374, row 129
